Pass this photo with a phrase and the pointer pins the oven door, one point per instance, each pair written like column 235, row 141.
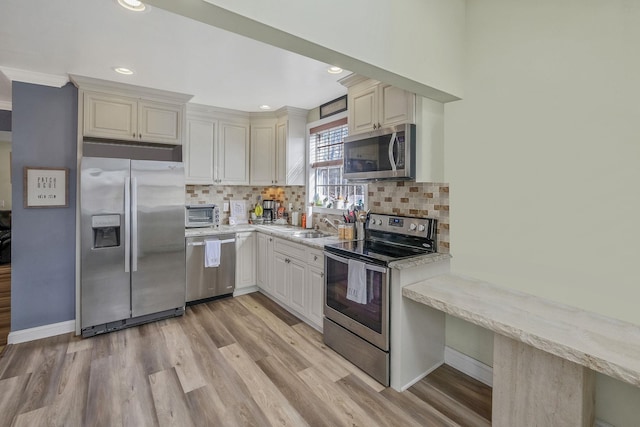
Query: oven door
column 369, row 320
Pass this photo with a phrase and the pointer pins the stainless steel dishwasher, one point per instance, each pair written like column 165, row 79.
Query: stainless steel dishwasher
column 207, row 282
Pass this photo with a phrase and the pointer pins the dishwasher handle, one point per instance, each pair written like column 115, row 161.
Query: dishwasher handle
column 202, row 243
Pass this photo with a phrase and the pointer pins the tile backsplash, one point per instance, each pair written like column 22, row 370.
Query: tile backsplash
column 394, row 198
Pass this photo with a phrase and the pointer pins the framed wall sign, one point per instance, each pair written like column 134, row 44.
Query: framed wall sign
column 336, row 106
column 46, row 187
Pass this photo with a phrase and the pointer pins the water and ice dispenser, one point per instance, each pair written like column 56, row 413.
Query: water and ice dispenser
column 106, row 231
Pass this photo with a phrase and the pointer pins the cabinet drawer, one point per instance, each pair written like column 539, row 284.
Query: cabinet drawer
column 293, row 250
column 315, row 258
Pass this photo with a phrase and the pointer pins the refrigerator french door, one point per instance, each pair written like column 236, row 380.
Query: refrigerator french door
column 132, row 242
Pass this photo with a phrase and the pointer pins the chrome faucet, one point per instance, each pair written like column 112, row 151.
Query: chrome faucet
column 328, row 221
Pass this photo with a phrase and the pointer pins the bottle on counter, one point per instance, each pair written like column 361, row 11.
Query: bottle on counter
column 304, row 220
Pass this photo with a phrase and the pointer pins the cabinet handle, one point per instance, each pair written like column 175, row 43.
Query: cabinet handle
column 315, row 257
column 322, row 274
column 134, row 135
column 287, row 260
column 140, row 135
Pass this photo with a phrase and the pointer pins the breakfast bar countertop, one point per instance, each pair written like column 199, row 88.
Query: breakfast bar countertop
column 601, row 343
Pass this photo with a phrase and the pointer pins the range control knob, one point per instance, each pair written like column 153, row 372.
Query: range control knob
column 412, row 227
column 421, row 227
column 379, row 222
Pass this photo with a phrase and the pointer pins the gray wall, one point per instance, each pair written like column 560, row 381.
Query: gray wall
column 44, row 126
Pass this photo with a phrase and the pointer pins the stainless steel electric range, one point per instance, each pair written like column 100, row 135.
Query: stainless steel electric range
column 357, row 286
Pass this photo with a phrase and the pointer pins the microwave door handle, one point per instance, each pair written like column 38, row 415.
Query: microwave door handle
column 392, row 160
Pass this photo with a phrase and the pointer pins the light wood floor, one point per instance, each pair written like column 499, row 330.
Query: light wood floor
column 241, row 361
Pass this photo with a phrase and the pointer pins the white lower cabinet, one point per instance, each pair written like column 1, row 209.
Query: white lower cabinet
column 293, row 275
column 264, row 263
column 245, row 261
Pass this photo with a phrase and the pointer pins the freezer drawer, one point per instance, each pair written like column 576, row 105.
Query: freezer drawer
column 206, row 282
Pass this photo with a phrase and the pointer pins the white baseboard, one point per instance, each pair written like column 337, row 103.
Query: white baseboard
column 45, row 331
column 600, row 423
column 469, row 366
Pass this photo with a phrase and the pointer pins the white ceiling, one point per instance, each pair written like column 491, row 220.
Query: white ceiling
column 166, row 51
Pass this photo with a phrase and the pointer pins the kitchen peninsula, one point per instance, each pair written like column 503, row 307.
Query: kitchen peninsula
column 545, row 353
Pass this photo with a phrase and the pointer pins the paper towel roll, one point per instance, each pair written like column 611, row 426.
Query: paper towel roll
column 309, row 217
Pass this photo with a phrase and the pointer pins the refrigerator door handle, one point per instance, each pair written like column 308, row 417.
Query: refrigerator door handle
column 134, row 224
column 127, row 225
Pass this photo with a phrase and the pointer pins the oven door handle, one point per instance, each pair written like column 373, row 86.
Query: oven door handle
column 368, row 265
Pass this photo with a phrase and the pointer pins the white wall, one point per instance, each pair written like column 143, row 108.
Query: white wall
column 5, row 175
column 543, row 159
column 401, row 42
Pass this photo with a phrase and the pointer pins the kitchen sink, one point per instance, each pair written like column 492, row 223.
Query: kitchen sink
column 311, row 234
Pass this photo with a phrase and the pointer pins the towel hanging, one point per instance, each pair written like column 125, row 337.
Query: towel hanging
column 212, row 253
column 357, row 282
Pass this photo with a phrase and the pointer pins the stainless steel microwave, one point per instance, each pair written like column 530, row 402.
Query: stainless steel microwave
column 383, row 154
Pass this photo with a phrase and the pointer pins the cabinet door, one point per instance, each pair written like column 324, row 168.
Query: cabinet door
column 395, row 105
column 280, row 276
column 232, row 154
column 109, row 116
column 281, row 154
column 159, row 122
column 263, row 151
column 198, row 151
column 298, row 286
column 363, row 110
column 245, row 260
column 263, row 264
column 315, row 283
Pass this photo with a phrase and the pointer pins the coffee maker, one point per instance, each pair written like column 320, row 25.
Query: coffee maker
column 269, row 210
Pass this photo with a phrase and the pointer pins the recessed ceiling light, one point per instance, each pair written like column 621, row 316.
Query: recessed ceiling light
column 123, row 70
column 135, row 5
column 265, row 107
column 334, row 70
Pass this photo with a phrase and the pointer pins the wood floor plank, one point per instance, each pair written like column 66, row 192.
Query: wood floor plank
column 348, row 412
column 457, row 411
column 217, row 331
column 204, row 414
column 170, row 402
column 24, row 359
column 103, row 395
column 43, row 383
column 273, row 403
column 423, row 413
column 11, row 394
column 333, row 358
column 275, row 308
column 333, row 371
column 315, row 412
column 260, row 341
column 374, row 404
column 462, row 388
column 181, row 357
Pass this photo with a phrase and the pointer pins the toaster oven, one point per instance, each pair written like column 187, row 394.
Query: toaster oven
column 202, row 216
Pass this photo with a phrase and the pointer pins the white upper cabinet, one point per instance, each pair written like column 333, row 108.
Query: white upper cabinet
column 198, row 151
column 374, row 105
column 263, row 152
column 232, row 153
column 216, row 148
column 291, row 145
column 130, row 113
column 159, row 122
column 278, row 148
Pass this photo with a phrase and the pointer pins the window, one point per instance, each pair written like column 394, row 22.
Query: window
column 327, row 187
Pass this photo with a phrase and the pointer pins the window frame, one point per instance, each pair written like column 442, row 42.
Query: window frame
column 310, row 186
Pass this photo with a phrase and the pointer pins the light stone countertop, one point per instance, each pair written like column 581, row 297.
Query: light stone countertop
column 287, row 231
column 282, row 231
column 601, row 343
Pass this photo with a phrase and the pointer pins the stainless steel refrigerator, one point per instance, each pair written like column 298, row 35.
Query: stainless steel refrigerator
column 132, row 242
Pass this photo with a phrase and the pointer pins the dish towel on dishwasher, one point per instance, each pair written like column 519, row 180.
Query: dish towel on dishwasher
column 357, row 282
column 212, row 253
